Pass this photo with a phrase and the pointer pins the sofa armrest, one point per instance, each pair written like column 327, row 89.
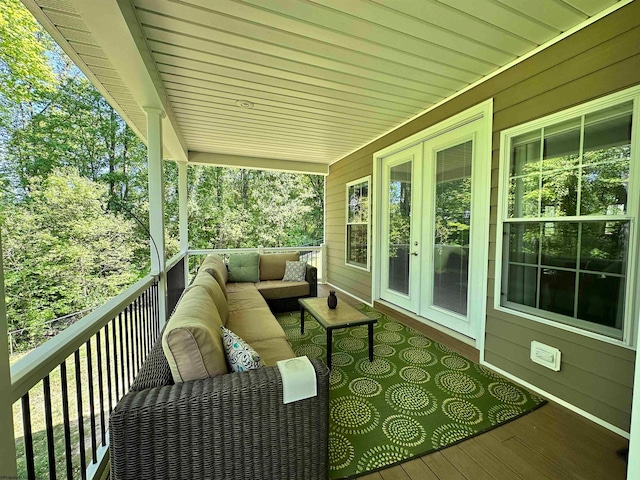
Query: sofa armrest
column 232, row 426
column 311, row 276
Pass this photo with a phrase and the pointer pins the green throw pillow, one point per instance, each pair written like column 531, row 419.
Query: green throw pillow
column 244, row 267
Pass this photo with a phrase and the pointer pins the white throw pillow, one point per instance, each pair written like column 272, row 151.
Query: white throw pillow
column 294, row 271
column 240, row 356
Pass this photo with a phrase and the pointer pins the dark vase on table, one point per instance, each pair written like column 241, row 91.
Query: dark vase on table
column 332, row 300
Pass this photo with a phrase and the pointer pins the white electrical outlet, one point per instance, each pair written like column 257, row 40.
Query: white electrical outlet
column 545, row 355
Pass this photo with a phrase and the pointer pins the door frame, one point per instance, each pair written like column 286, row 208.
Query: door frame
column 482, row 112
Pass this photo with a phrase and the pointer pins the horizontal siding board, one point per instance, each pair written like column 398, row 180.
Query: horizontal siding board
column 588, row 403
column 577, row 355
column 497, row 318
column 601, row 82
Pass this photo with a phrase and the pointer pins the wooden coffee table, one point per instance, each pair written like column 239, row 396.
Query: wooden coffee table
column 342, row 316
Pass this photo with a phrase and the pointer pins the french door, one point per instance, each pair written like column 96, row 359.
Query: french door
column 434, row 218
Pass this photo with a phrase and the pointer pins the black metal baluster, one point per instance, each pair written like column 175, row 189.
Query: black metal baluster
column 83, row 460
column 46, row 384
column 92, row 414
column 103, row 438
column 128, row 347
column 28, row 438
column 108, row 351
column 145, row 325
column 138, row 330
column 121, row 344
column 65, row 419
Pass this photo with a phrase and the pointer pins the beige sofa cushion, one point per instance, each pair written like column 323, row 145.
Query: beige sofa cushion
column 255, row 324
column 246, row 300
column 273, row 349
column 272, row 265
column 275, row 289
column 216, row 263
column 192, row 339
column 213, row 288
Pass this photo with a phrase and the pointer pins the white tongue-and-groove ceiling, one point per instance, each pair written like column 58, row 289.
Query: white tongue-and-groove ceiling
column 325, row 77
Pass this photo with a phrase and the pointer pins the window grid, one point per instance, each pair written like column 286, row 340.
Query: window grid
column 518, row 206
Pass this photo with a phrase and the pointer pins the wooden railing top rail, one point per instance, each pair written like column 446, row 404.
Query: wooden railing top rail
column 37, row 364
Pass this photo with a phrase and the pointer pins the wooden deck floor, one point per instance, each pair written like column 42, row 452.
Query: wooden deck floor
column 551, row 443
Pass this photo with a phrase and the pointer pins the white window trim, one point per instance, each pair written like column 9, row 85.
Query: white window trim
column 633, row 283
column 366, row 179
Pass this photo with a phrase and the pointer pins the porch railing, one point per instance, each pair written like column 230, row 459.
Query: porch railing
column 313, row 255
column 64, row 390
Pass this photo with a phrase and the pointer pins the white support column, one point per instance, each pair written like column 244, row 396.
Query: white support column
column 633, row 467
column 7, row 441
column 156, row 205
column 183, row 215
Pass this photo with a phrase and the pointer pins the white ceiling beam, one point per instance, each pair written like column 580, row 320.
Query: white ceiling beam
column 114, row 26
column 257, row 163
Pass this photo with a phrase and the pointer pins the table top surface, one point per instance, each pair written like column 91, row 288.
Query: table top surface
column 344, row 315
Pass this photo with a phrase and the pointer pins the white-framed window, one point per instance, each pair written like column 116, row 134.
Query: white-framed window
column 358, row 223
column 567, row 218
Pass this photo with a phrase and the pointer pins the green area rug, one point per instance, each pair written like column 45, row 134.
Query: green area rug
column 417, row 396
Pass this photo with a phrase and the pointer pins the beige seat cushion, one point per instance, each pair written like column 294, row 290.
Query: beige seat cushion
column 240, row 287
column 192, row 339
column 245, row 300
column 212, row 286
column 274, row 289
column 255, row 324
column 273, row 350
column 272, row 265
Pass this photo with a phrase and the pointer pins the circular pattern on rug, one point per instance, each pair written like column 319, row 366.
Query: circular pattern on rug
column 379, row 368
column 359, row 332
column 443, row 348
column 340, row 332
column 482, row 370
column 294, row 335
column 381, row 456
column 365, row 387
column 341, row 359
column 414, row 375
column 337, row 378
column 319, row 340
column 461, row 411
column 418, row 356
column 420, row 341
column 308, row 349
column 404, row 430
column 351, row 344
column 411, row 400
column 289, row 320
column 353, row 415
column 507, row 393
column 455, row 362
column 340, row 451
column 502, row 413
column 382, row 350
column 391, row 338
column 392, row 326
column 459, row 384
column 450, row 433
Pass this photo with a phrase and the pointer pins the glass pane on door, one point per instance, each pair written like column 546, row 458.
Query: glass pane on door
column 399, row 226
column 452, row 227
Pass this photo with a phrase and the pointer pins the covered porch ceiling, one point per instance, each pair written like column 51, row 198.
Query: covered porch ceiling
column 295, row 84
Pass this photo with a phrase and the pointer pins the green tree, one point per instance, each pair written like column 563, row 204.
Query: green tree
column 63, row 250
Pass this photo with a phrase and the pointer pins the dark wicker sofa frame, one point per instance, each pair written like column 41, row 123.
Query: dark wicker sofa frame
column 233, row 426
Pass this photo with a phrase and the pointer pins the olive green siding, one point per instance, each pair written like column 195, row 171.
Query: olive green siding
column 598, row 60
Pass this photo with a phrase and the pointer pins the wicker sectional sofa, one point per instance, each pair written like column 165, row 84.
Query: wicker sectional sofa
column 186, row 417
